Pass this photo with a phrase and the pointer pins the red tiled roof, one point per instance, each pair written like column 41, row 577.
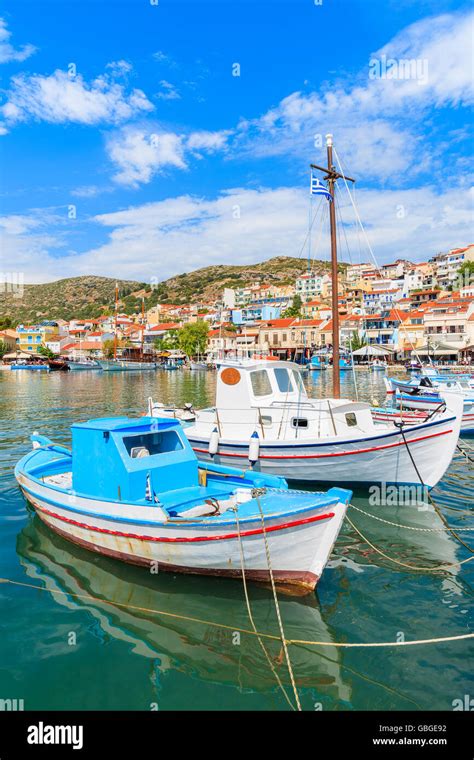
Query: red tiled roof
column 307, row 322
column 85, row 345
column 165, row 326
column 278, row 323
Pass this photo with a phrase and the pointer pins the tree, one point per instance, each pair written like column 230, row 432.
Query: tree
column 295, row 309
column 108, row 349
column 193, row 338
column 170, row 342
column 465, row 274
column 46, row 352
column 356, row 341
column 3, row 349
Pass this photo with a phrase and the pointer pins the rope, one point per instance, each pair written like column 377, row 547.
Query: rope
column 404, row 564
column 437, row 510
column 252, row 622
column 295, row 642
column 408, row 527
column 277, row 608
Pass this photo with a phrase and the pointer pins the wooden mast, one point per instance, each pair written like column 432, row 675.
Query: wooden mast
column 115, row 321
column 331, row 176
column 143, row 323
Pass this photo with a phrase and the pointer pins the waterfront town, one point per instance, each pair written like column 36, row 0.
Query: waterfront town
column 406, row 309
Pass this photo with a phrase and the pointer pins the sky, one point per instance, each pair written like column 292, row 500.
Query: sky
column 140, row 139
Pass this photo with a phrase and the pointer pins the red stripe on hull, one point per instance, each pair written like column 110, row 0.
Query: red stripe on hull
column 295, row 582
column 330, row 453
column 184, row 539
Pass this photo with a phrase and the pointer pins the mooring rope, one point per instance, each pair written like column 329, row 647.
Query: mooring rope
column 252, row 622
column 404, row 564
column 277, row 607
column 407, row 527
column 438, row 511
column 224, row 626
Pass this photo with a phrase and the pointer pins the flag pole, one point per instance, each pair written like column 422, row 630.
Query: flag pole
column 331, row 175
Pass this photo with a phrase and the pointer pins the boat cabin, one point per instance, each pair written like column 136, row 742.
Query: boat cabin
column 120, row 458
column 259, row 384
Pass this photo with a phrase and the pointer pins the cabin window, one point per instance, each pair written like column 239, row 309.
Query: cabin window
column 261, row 385
column 266, row 420
column 148, row 444
column 351, row 419
column 283, row 380
column 298, row 382
column 299, row 422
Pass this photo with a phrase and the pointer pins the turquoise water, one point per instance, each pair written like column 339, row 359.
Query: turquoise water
column 67, row 650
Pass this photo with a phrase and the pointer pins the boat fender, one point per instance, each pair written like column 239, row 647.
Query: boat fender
column 36, row 444
column 254, row 448
column 214, row 442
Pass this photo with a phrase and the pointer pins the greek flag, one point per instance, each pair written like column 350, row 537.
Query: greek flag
column 148, row 490
column 150, row 495
column 317, row 188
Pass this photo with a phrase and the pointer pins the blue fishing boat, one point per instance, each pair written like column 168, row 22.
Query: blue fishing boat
column 32, row 366
column 317, row 363
column 133, row 489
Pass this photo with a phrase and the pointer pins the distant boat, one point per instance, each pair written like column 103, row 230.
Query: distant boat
column 378, row 366
column 83, row 364
column 316, row 363
column 133, row 489
column 58, row 365
column 125, row 365
column 37, row 366
column 197, row 366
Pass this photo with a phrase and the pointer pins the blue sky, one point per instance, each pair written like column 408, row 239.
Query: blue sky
column 130, row 148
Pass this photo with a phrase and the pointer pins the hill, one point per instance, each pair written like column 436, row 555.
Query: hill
column 90, row 296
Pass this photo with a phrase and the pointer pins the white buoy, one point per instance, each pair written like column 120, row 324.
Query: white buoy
column 213, row 442
column 254, row 448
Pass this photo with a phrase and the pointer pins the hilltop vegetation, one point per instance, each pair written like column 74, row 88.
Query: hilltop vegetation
column 90, row 296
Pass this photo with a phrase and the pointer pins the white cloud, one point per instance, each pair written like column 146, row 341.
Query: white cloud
column 168, row 91
column 139, row 153
column 208, row 141
column 244, row 226
column 379, row 121
column 60, row 98
column 7, row 51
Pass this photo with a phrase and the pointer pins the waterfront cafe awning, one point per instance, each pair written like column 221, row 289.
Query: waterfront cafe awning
column 372, row 350
column 20, row 355
column 436, row 349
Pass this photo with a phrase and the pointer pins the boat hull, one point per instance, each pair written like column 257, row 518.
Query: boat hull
column 379, row 458
column 30, row 367
column 299, row 545
column 126, row 366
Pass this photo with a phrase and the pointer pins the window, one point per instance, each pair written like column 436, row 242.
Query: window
column 275, row 339
column 260, row 383
column 299, row 422
column 284, row 338
column 298, row 381
column 283, row 380
column 351, row 419
column 266, row 420
column 152, row 443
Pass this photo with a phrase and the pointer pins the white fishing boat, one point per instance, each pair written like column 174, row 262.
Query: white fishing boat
column 133, row 489
column 263, row 416
column 125, row 365
column 80, row 365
